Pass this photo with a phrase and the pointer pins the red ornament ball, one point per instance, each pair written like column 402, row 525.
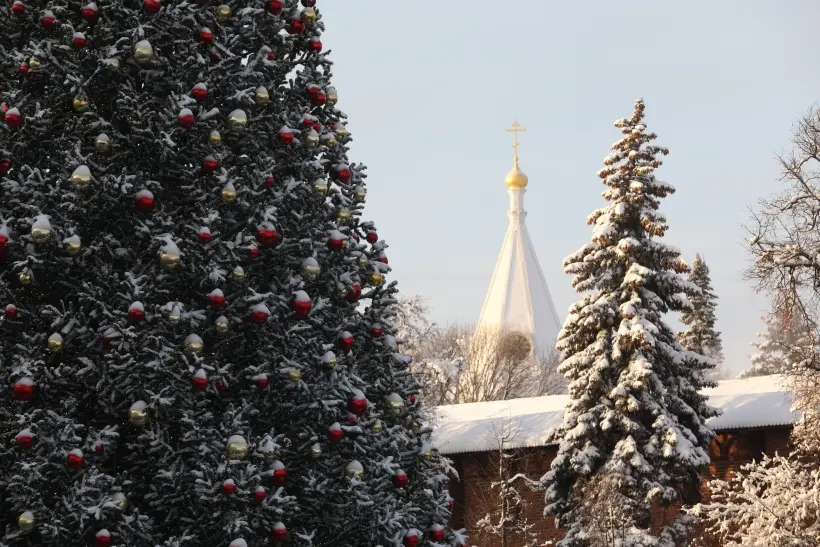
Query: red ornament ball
column 25, row 439
column 399, row 479
column 99, row 448
column 205, row 235
column 382, row 258
column 3, row 241
column 23, row 68
column 296, row 26
column 48, row 20
column 285, row 136
column 309, row 3
column 206, row 36
column 24, row 389
column 372, row 237
column 412, row 539
column 91, row 12
column 5, row 166
column 301, row 304
column 376, row 331
column 102, row 539
column 11, row 312
column 199, row 92
column 186, row 118
column 280, row 474
column 75, row 459
column 145, row 201
column 353, row 294
column 260, row 494
column 260, row 314
column 228, row 487
column 271, row 55
column 13, row 118
column 18, row 8
column 436, row 532
column 269, row 181
column 336, row 241
column 209, row 164
column 266, row 235
column 136, row 312
column 280, row 533
column 200, row 380
column 357, row 405
column 151, row 7
column 345, row 341
column 261, row 382
column 335, row 433
column 221, row 386
column 253, row 252
column 79, row 39
column 315, row 45
column 276, row 6
column 216, row 299
column 342, row 173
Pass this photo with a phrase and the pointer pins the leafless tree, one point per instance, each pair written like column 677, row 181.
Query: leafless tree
column 507, row 518
column 785, row 244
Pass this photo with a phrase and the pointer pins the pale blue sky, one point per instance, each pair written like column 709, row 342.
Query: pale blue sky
column 430, row 86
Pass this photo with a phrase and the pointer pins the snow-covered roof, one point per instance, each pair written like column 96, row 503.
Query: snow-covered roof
column 476, row 427
column 518, row 298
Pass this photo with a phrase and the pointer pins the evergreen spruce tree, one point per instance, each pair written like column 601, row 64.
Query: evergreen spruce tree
column 784, row 345
column 635, row 419
column 701, row 336
column 183, row 361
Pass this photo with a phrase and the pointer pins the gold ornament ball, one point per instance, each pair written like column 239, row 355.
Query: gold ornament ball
column 174, row 316
column 261, row 95
column 363, row 261
column 41, row 235
column 102, row 144
column 320, row 187
column 81, row 178
column 80, row 104
column 26, row 521
column 34, row 63
column 138, row 414
column 26, row 277
column 395, row 404
column 310, row 269
column 228, row 194
column 427, row 454
column 120, row 501
column 237, row 448
column 343, row 214
column 308, row 16
column 55, row 343
column 193, row 345
column 294, row 375
column 112, row 64
column 73, row 246
column 332, row 97
column 354, row 469
column 238, row 274
column 214, row 138
column 223, row 13
column 329, row 139
column 316, row 451
column 341, row 131
column 377, row 426
column 221, row 325
column 376, row 279
column 143, row 52
column 329, row 360
column 311, row 139
column 359, row 193
column 169, row 260
column 238, row 120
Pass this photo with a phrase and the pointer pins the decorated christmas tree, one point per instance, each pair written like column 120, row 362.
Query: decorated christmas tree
column 634, row 437
column 701, row 335
column 195, row 344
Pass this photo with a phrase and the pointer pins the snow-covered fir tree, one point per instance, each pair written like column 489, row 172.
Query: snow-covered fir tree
column 785, row 343
column 184, row 355
column 635, row 419
column 701, row 336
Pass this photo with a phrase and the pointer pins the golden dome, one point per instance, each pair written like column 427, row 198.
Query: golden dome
column 516, row 177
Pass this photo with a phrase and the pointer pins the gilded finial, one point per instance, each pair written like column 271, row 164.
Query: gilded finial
column 516, row 177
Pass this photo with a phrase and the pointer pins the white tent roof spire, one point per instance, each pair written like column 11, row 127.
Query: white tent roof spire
column 518, row 298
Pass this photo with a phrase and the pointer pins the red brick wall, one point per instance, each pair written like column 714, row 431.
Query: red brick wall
column 472, row 493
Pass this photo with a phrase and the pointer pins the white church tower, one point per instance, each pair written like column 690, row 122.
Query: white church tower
column 518, row 298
